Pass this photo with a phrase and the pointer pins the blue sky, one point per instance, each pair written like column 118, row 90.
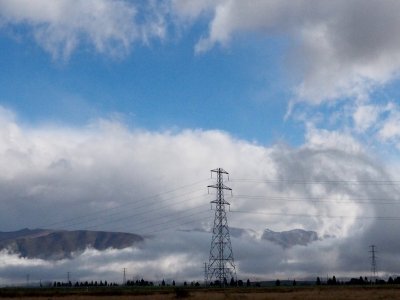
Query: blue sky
column 243, row 82
column 164, row 85
column 106, row 102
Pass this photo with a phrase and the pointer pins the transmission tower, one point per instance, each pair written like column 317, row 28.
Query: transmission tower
column 221, row 263
column 373, row 260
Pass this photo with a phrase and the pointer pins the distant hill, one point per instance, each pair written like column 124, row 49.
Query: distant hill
column 59, row 244
column 290, row 238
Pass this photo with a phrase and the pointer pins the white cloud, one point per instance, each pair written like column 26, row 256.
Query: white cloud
column 390, row 127
column 365, row 116
column 325, row 139
column 103, row 175
column 190, row 11
column 344, row 48
column 59, row 26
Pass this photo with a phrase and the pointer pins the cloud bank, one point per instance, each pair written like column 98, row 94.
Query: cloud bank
column 106, row 176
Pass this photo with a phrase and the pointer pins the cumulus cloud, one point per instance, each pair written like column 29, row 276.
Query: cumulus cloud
column 59, row 27
column 106, row 176
column 343, row 48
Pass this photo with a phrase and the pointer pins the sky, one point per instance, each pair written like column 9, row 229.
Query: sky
column 113, row 113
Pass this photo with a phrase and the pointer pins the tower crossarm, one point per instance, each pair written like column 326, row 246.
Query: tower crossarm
column 222, row 186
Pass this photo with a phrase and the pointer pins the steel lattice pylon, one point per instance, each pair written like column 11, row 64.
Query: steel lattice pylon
column 221, row 264
column 373, row 260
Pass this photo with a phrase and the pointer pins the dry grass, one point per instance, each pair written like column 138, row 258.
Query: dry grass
column 338, row 293
column 78, row 297
column 312, row 293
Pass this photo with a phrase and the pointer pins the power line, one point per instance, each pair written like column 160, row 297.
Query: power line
column 388, row 218
column 294, row 199
column 305, row 182
column 166, row 228
column 124, row 205
column 153, row 200
column 144, row 221
column 141, row 214
column 84, row 218
column 166, row 225
column 172, row 220
column 381, row 201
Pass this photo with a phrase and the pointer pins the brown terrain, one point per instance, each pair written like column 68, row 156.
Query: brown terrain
column 278, row 293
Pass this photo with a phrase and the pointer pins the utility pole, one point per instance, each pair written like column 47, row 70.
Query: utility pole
column 221, row 263
column 205, row 274
column 373, row 260
column 124, row 278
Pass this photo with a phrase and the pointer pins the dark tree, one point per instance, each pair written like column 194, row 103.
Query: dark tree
column 318, row 282
column 294, row 282
column 248, row 283
column 232, row 282
column 277, row 282
column 163, row 283
column 332, row 281
column 173, row 282
column 225, row 282
column 390, row 280
column 240, row 282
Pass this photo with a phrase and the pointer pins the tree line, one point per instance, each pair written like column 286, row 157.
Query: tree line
column 359, row 281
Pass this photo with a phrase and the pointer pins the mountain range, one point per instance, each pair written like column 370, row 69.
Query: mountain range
column 60, row 244
column 285, row 239
column 290, row 238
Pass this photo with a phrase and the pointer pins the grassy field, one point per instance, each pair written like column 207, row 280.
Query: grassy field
column 276, row 293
